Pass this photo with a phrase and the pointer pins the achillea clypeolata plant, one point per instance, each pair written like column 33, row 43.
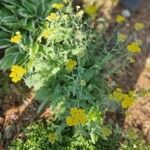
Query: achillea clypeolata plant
column 67, row 62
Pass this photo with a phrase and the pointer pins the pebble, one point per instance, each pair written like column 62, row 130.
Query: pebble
column 126, row 13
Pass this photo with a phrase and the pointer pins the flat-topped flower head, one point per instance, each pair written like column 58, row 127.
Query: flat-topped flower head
column 53, row 16
column 126, row 100
column 91, row 10
column 139, row 26
column 16, row 38
column 17, row 73
column 52, row 137
column 120, row 19
column 132, row 60
column 57, row 6
column 82, row 82
column 46, row 33
column 134, row 47
column 70, row 65
column 121, row 37
column 77, row 117
column 66, row 1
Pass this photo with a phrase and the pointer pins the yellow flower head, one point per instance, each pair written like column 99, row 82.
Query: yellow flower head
column 114, row 2
column 17, row 38
column 66, row 1
column 80, row 14
column 47, row 32
column 57, row 6
column 70, row 65
column 134, row 47
column 120, row 19
column 82, row 83
column 91, row 10
column 52, row 137
column 132, row 60
column 127, row 101
column 77, row 117
column 121, row 37
column 106, row 132
column 53, row 16
column 139, row 26
column 70, row 121
column 139, row 42
column 17, row 73
column 118, row 94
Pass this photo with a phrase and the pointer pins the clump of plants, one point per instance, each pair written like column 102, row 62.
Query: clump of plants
column 42, row 136
column 133, row 141
column 67, row 61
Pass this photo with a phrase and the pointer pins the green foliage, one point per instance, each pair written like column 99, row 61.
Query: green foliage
column 51, row 42
column 24, row 16
column 36, row 138
column 134, row 141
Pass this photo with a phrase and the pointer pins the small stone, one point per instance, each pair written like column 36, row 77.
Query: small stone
column 126, row 13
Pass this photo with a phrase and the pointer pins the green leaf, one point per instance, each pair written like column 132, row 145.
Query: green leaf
column 13, row 55
column 4, row 43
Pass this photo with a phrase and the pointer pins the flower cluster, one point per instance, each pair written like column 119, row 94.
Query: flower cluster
column 106, row 132
column 126, row 100
column 139, row 26
column 134, row 47
column 52, row 16
column 120, row 19
column 70, row 65
column 17, row 73
column 77, row 117
column 121, row 37
column 52, row 137
column 57, row 6
column 17, row 38
column 91, row 10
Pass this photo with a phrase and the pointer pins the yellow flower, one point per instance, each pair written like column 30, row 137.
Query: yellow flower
column 47, row 32
column 80, row 14
column 70, row 121
column 65, row 17
column 52, row 137
column 70, row 65
column 66, row 1
column 118, row 94
column 17, row 73
column 57, row 5
column 139, row 42
column 53, row 16
column 120, row 19
column 106, row 132
column 139, row 26
column 82, row 83
column 17, row 38
column 127, row 101
column 91, row 10
column 115, row 2
column 134, row 47
column 77, row 117
column 132, row 60
column 121, row 37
